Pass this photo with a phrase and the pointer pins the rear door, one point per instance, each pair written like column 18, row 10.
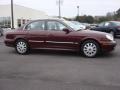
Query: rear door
column 36, row 34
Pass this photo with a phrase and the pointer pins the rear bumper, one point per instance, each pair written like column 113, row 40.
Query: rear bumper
column 9, row 42
column 108, row 46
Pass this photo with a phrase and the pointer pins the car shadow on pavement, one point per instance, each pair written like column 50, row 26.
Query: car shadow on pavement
column 54, row 52
column 64, row 53
column 67, row 53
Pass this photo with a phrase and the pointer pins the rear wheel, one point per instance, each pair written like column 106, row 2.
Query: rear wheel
column 22, row 47
column 90, row 48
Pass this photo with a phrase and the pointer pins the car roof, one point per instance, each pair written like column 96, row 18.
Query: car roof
column 57, row 19
column 45, row 19
column 113, row 21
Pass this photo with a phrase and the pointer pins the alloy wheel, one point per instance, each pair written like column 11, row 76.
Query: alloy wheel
column 90, row 48
column 21, row 47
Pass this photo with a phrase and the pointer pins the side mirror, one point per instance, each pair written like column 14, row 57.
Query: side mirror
column 66, row 30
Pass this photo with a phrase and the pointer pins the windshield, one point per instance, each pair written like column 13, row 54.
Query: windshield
column 72, row 25
column 76, row 23
column 116, row 23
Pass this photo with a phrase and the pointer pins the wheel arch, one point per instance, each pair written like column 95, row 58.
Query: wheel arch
column 112, row 29
column 86, row 39
column 16, row 39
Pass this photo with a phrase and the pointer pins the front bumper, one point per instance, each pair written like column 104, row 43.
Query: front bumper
column 108, row 46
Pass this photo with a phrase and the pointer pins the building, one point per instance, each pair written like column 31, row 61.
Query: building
column 21, row 15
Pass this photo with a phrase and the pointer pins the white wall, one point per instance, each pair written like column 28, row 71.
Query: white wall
column 21, row 12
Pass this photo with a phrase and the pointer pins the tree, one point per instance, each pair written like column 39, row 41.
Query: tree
column 85, row 19
column 90, row 19
column 102, row 19
column 118, row 13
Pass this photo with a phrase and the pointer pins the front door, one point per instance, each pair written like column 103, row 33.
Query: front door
column 57, row 38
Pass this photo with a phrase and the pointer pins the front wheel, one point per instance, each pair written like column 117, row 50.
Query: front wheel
column 22, row 47
column 90, row 48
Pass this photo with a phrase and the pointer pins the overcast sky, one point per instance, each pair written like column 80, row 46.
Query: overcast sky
column 69, row 7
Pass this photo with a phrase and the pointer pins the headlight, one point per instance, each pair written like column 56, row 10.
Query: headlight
column 110, row 37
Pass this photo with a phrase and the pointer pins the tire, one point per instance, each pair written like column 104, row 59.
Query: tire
column 22, row 47
column 90, row 48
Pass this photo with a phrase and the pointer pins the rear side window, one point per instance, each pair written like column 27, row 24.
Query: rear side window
column 37, row 25
column 107, row 24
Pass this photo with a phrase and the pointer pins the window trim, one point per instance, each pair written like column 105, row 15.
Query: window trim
column 45, row 21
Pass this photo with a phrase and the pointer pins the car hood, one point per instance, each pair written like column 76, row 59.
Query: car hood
column 90, row 32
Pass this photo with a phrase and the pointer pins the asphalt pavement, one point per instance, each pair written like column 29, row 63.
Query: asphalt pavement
column 58, row 70
column 1, row 39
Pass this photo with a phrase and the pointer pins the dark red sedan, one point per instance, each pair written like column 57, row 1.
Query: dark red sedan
column 59, row 34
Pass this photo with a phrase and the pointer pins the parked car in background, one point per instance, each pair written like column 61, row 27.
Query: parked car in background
column 59, row 34
column 93, row 25
column 87, row 25
column 1, row 31
column 81, row 26
column 112, row 27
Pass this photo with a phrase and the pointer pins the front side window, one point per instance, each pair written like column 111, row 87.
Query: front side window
column 38, row 25
column 51, row 25
column 60, row 26
column 54, row 25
